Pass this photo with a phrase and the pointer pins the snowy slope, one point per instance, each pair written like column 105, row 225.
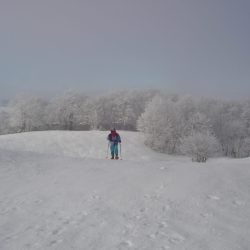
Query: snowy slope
column 57, row 191
column 87, row 144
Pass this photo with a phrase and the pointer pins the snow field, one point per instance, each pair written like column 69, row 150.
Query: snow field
column 57, row 191
column 87, row 144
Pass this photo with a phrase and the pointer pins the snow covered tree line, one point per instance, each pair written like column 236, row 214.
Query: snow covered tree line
column 199, row 128
column 172, row 124
column 74, row 111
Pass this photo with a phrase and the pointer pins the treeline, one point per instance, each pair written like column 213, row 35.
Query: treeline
column 74, row 111
column 199, row 128
column 172, row 124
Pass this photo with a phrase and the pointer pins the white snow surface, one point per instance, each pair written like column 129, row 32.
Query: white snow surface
column 58, row 191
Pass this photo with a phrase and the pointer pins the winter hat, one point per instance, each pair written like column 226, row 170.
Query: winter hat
column 113, row 132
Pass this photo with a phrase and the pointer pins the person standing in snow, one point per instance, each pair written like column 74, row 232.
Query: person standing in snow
column 114, row 138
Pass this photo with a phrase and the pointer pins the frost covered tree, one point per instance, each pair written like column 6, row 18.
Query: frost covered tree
column 68, row 111
column 4, row 121
column 199, row 146
column 246, row 118
column 26, row 113
column 162, row 124
column 120, row 109
column 169, row 118
column 101, row 115
column 229, row 123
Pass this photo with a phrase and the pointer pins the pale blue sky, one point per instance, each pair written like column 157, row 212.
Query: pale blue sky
column 199, row 47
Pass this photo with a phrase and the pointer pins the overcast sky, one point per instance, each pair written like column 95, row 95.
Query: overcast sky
column 199, row 47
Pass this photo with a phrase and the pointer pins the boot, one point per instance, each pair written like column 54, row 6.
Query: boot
column 116, row 157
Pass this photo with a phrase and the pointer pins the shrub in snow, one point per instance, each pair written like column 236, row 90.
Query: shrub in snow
column 199, row 146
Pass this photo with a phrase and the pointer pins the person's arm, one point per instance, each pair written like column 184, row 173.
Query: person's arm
column 108, row 138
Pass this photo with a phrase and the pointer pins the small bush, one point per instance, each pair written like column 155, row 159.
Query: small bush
column 199, row 146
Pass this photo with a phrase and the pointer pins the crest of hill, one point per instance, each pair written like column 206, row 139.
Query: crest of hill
column 80, row 144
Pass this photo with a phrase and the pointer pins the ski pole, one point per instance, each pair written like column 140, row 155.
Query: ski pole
column 120, row 151
column 107, row 151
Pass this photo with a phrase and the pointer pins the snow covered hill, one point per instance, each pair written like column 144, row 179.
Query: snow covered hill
column 57, row 191
column 87, row 144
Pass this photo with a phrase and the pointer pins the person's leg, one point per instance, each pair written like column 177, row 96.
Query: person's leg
column 112, row 150
column 116, row 151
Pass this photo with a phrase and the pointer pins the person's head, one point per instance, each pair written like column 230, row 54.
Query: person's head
column 113, row 131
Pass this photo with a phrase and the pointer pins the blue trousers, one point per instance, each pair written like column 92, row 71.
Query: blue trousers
column 114, row 149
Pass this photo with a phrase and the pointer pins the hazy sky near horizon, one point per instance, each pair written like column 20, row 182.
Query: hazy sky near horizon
column 198, row 47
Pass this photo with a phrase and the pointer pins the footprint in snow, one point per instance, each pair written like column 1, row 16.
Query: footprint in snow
column 163, row 168
column 57, row 231
column 143, row 210
column 213, row 197
column 176, row 238
column 206, row 215
column 165, row 248
column 38, row 201
column 52, row 243
column 163, row 224
column 66, row 222
column 238, row 203
column 125, row 244
column 94, row 197
column 166, row 208
column 129, row 230
column 153, row 236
